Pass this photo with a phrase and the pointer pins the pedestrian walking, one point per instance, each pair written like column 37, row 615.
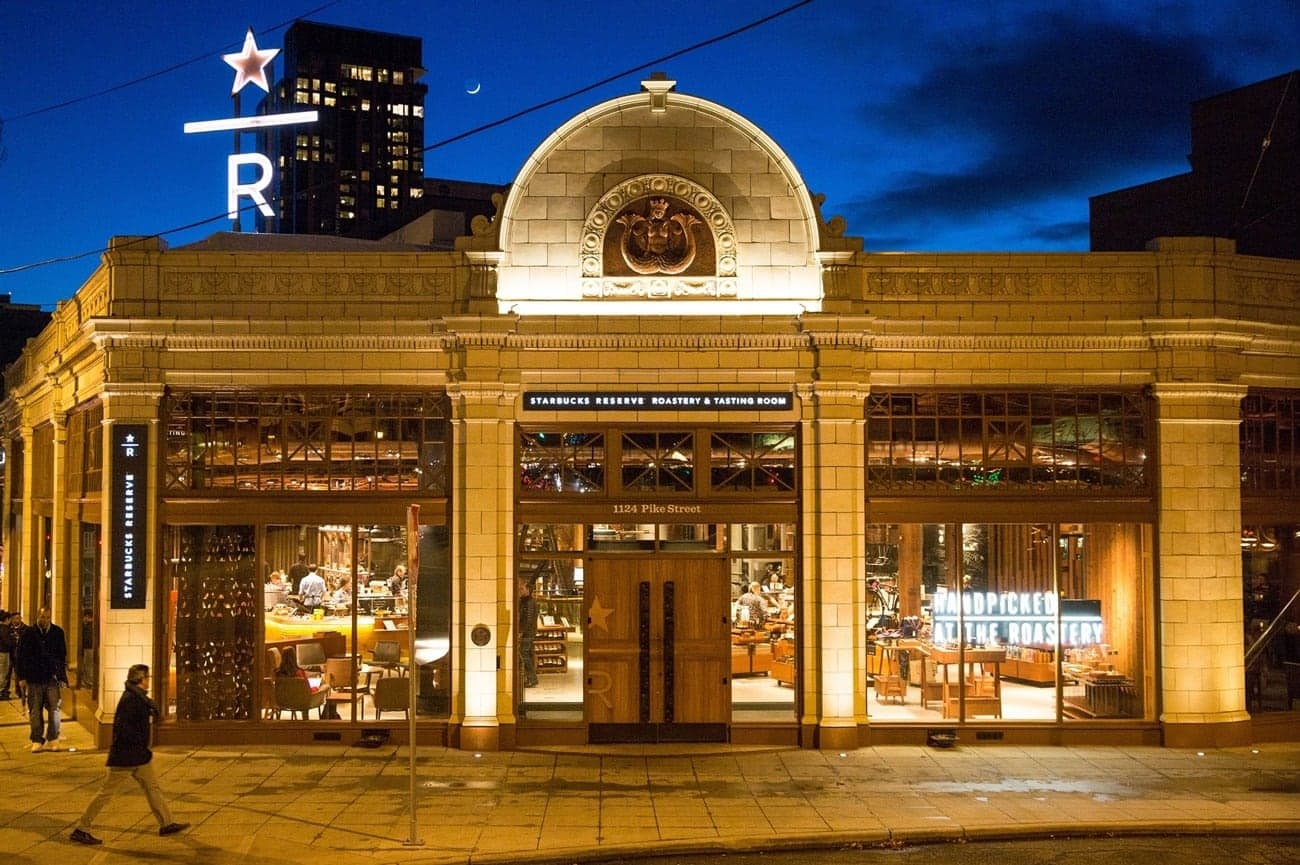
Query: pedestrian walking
column 7, row 646
column 43, row 665
column 11, row 629
column 130, row 757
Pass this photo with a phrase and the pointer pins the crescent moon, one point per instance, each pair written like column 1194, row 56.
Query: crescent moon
column 477, row 87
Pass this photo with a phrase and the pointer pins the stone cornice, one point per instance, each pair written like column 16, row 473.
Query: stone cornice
column 1280, row 345
column 275, row 342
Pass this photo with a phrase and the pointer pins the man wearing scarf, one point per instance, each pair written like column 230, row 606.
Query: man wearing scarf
column 129, row 757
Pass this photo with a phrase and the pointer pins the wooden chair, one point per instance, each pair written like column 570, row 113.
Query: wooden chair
column 341, row 676
column 392, row 695
column 295, row 696
column 387, row 654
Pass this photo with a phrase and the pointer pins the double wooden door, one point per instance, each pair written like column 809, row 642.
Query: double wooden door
column 658, row 649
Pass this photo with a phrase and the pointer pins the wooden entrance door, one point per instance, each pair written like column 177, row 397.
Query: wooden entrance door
column 658, row 654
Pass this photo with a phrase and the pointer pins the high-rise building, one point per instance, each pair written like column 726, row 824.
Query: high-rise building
column 19, row 322
column 1244, row 182
column 359, row 170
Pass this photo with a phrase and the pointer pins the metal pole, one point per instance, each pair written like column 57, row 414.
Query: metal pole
column 239, row 218
column 412, row 583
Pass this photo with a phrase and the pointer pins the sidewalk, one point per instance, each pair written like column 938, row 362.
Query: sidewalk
column 266, row 805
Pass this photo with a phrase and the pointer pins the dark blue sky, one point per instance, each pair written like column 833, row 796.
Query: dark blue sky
column 972, row 125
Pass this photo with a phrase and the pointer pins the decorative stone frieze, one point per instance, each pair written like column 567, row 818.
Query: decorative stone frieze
column 1264, row 290
column 1023, row 284
column 182, row 285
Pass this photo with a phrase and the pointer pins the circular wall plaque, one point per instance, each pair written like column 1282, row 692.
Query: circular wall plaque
column 480, row 635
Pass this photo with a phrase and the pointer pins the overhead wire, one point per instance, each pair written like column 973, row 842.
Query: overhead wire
column 1264, row 144
column 705, row 43
column 76, row 100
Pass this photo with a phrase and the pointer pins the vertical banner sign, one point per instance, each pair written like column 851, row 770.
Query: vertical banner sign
column 128, row 574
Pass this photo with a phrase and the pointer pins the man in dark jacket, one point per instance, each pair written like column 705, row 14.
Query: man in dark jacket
column 43, row 664
column 129, row 757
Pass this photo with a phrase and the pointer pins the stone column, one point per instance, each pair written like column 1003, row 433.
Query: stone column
column 127, row 637
column 834, row 564
column 1203, row 694
column 482, row 555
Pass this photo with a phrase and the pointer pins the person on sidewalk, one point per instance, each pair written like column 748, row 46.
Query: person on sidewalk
column 527, row 633
column 129, row 757
column 7, row 646
column 43, row 665
column 14, row 627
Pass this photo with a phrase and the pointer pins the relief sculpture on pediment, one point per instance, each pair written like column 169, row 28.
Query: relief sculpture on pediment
column 658, row 235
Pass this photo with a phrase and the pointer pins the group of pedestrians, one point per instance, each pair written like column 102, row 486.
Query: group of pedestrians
column 36, row 656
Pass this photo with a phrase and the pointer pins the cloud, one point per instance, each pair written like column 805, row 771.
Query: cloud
column 1058, row 106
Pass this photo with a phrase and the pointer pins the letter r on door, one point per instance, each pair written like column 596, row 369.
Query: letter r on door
column 234, row 189
column 606, row 680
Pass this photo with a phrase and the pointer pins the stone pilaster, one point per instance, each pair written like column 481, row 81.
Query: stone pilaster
column 127, row 637
column 482, row 551
column 61, row 602
column 28, row 568
column 834, row 562
column 1203, row 694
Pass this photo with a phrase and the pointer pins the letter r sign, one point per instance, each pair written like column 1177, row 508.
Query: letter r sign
column 234, row 189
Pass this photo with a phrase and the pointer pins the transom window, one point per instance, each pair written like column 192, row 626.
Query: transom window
column 270, row 441
column 1270, row 451
column 1057, row 440
column 558, row 462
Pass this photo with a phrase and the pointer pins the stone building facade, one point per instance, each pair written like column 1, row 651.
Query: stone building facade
column 1001, row 494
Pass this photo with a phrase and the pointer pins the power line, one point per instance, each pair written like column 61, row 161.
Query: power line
column 434, row 146
column 581, row 90
column 76, row 100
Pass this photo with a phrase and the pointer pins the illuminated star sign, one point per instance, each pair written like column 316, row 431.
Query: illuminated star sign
column 250, row 64
column 129, row 444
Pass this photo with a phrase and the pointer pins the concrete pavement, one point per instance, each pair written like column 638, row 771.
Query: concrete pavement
column 259, row 805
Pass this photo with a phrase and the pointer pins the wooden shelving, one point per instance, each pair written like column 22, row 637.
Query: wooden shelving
column 551, row 648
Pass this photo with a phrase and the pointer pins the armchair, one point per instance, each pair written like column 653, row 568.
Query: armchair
column 295, row 696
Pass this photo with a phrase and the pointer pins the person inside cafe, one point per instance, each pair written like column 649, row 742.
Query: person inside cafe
column 289, row 668
column 297, row 571
column 753, row 607
column 312, row 591
column 397, row 582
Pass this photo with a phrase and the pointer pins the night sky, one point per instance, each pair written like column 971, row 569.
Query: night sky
column 963, row 126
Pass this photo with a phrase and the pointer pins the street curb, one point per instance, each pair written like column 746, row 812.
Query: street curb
column 880, row 839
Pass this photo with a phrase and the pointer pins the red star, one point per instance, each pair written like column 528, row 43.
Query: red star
column 250, row 64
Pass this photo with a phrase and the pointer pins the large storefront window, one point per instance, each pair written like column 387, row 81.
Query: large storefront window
column 88, row 551
column 1037, row 621
column 1270, row 570
column 311, row 622
column 1270, row 548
